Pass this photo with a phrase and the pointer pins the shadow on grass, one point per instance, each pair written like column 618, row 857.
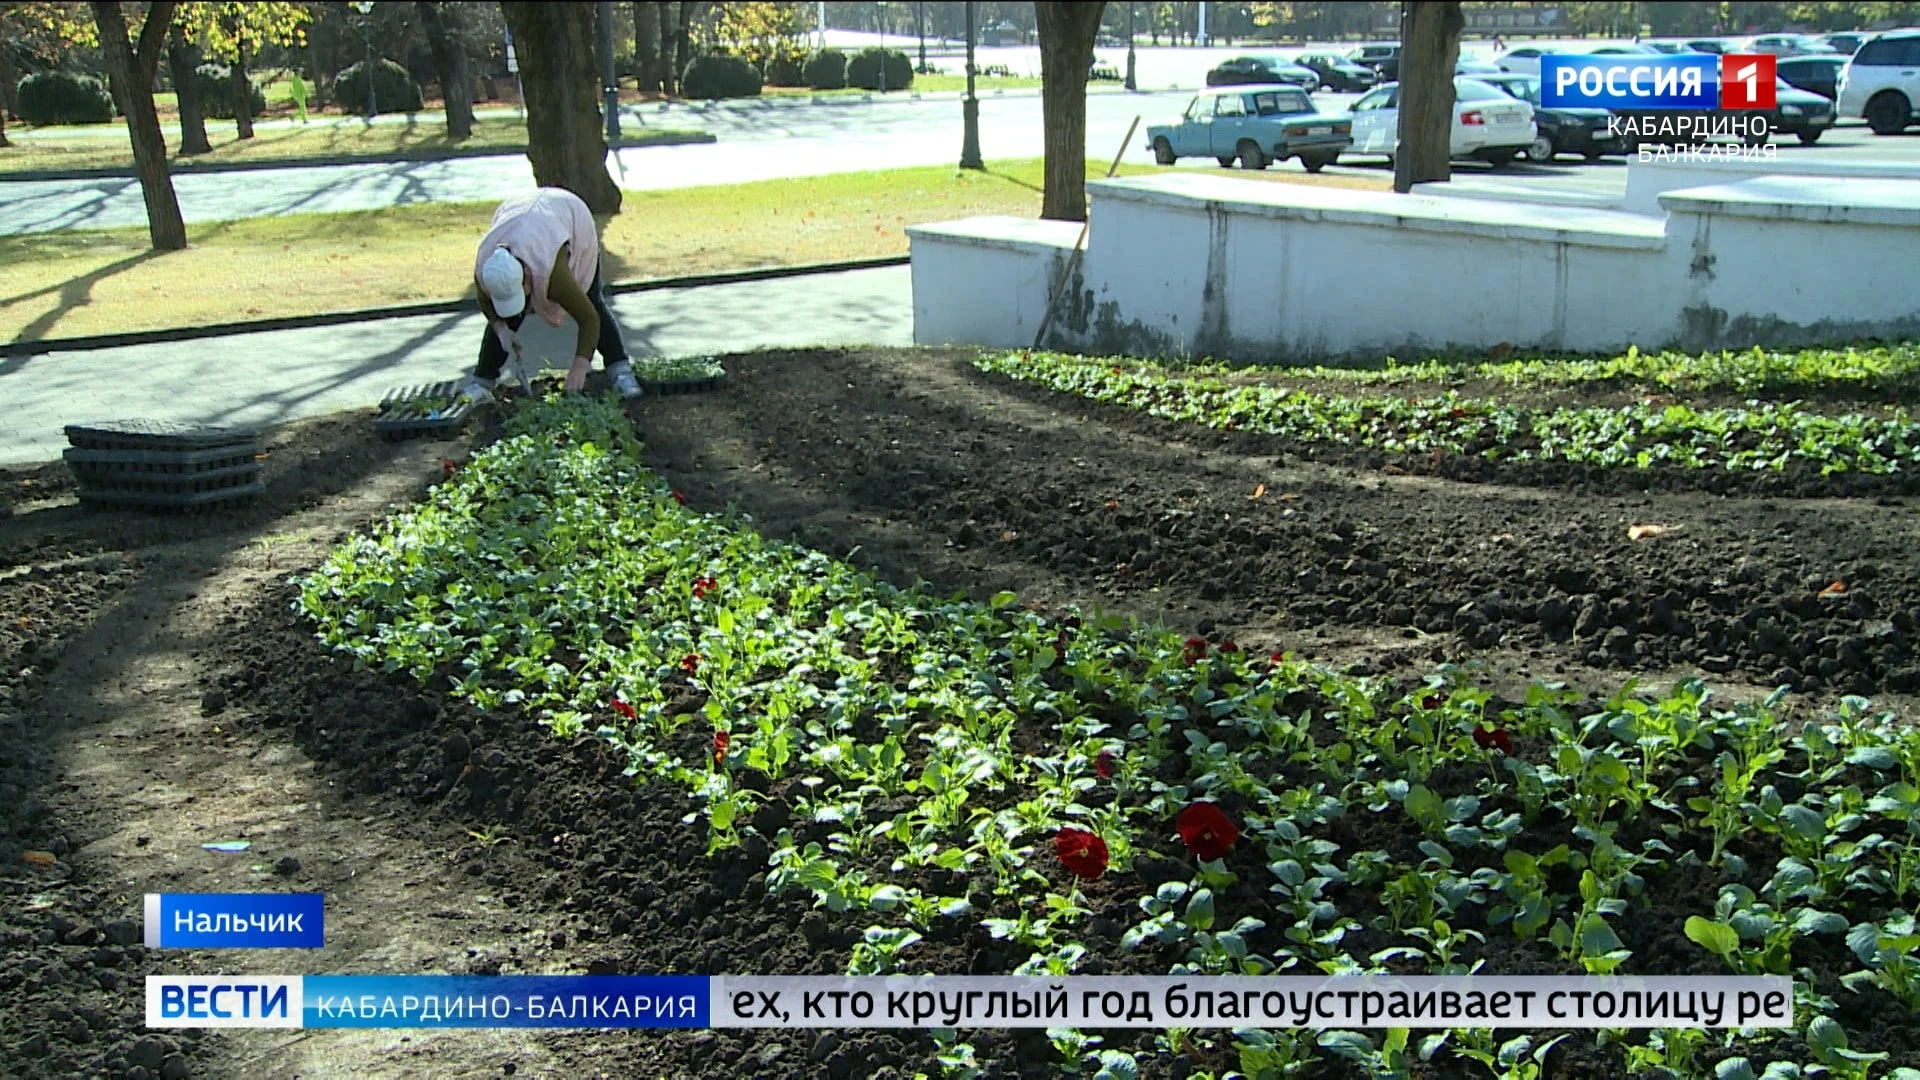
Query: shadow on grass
column 74, row 293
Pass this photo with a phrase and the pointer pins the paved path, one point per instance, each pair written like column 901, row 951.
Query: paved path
column 283, row 375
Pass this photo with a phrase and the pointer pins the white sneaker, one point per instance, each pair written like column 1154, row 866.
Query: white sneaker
column 477, row 390
column 624, row 382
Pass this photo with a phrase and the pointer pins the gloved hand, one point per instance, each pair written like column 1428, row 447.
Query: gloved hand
column 577, row 374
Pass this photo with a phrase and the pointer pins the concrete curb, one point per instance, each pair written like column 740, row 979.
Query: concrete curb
column 404, row 156
column 465, row 305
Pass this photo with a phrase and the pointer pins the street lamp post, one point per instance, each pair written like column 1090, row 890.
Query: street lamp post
column 365, row 8
column 1132, row 83
column 920, row 28
column 883, row 46
column 970, row 108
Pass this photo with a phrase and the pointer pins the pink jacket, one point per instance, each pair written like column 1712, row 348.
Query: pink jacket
column 533, row 228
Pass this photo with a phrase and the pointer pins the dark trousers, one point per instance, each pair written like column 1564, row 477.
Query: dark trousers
column 493, row 354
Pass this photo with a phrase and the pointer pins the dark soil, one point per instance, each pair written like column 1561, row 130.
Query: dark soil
column 468, row 842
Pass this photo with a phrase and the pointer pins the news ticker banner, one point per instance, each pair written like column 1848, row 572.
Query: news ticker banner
column 235, row 920
column 1696, row 81
column 700, row 1001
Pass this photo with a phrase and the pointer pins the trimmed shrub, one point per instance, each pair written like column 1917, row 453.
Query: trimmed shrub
column 863, row 70
column 826, row 70
column 785, row 68
column 394, row 89
column 216, row 92
column 714, row 77
column 57, row 97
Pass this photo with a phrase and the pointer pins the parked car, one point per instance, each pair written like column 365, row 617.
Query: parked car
column 1265, row 71
column 1524, row 60
column 1621, row 49
column 1814, row 74
column 1882, row 82
column 1846, row 44
column 1800, row 113
column 1488, row 124
column 1475, row 67
column 1667, row 46
column 1708, row 45
column 1382, row 57
column 1559, row 131
column 1338, row 73
column 1787, row 45
column 1255, row 126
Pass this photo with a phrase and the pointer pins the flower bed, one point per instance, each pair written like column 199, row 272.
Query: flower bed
column 943, row 762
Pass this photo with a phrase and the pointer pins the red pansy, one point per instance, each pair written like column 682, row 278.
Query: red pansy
column 679, row 498
column 448, row 466
column 690, row 663
column 1277, row 658
column 1207, row 831
column 704, row 586
column 1228, row 647
column 1103, row 765
column 623, row 709
column 1195, row 650
column 1081, row 852
column 1493, row 739
column 721, row 740
column 1433, row 700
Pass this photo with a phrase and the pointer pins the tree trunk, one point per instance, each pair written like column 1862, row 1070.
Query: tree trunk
column 242, row 92
column 1067, row 33
column 646, row 45
column 183, row 57
column 1431, row 33
column 667, row 15
column 451, row 60
column 683, row 40
column 565, row 140
column 9, row 83
column 131, row 70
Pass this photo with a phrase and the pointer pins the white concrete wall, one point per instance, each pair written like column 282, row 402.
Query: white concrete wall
column 1648, row 180
column 1203, row 265
column 986, row 281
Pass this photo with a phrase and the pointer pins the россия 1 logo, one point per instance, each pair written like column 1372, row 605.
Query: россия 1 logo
column 1700, row 83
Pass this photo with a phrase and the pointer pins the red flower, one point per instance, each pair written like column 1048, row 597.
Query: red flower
column 623, row 708
column 1229, row 647
column 720, row 742
column 1196, row 650
column 690, row 663
column 448, row 466
column 1277, row 658
column 1207, row 831
column 679, row 498
column 1103, row 765
column 1433, row 700
column 703, row 586
column 1081, row 852
column 1493, row 739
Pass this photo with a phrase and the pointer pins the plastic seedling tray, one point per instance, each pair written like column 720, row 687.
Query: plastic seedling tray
column 688, row 376
column 156, row 435
column 683, row 386
column 172, row 500
column 409, row 412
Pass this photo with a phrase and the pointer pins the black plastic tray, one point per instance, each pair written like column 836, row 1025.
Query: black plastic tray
column 172, row 500
column 90, row 479
column 684, row 386
column 140, row 462
column 401, row 415
column 163, row 435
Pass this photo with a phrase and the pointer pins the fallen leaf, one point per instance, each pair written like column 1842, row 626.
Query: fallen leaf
column 1009, row 536
column 1646, row 532
column 1113, row 504
column 1501, row 538
column 1500, row 352
column 1259, row 492
column 1838, row 588
column 1394, row 470
column 38, row 858
column 1288, row 496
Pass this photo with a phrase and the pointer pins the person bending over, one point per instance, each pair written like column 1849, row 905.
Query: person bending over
column 540, row 248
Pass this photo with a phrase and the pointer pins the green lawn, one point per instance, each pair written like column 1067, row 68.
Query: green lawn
column 325, row 138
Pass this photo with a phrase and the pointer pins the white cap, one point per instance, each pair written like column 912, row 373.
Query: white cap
column 505, row 281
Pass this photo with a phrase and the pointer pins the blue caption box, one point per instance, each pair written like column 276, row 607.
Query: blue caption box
column 235, row 921
column 1630, row 82
column 495, row 1001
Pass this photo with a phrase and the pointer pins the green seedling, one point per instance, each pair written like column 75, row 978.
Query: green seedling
column 1891, row 953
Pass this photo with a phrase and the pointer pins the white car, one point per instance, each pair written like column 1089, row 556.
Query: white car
column 1787, row 45
column 1488, row 123
column 1881, row 83
column 1522, row 61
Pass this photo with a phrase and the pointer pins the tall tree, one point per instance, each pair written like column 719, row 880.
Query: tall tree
column 183, row 60
column 1067, row 35
column 646, row 45
column 450, row 57
column 233, row 33
column 565, row 140
column 1430, row 32
column 39, row 33
column 131, row 69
